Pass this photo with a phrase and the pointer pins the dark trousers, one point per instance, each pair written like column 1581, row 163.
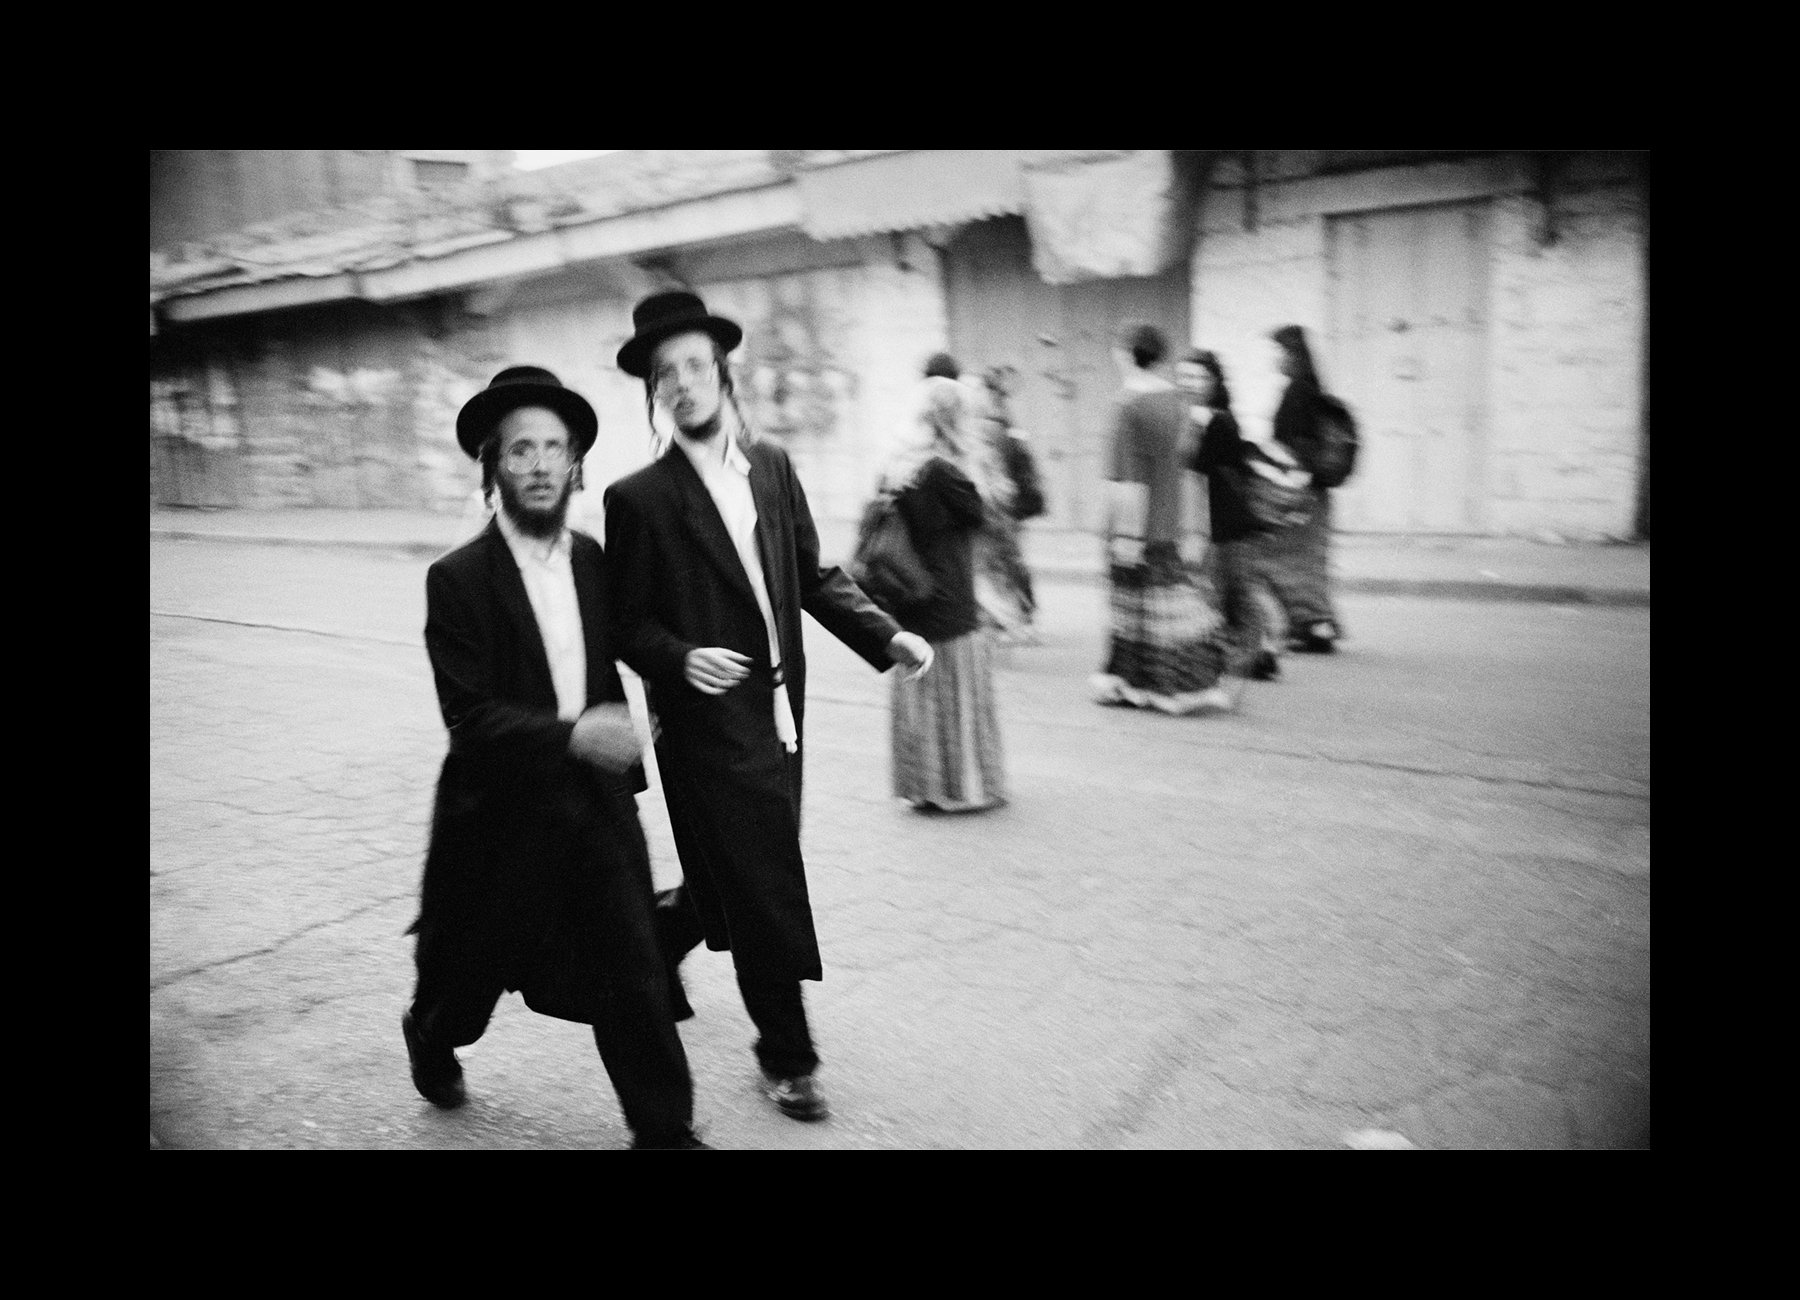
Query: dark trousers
column 784, row 1045
column 634, row 1031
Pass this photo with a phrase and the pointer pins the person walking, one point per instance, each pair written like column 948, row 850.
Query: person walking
column 1299, row 559
column 714, row 555
column 946, row 753
column 1235, row 559
column 1023, row 496
column 1168, row 649
column 537, row 878
column 1003, row 594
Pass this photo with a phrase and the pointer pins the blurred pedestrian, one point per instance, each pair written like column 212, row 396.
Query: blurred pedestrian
column 1023, row 495
column 1235, row 558
column 1002, row 584
column 946, row 751
column 714, row 555
column 537, row 878
column 1299, row 559
column 1168, row 649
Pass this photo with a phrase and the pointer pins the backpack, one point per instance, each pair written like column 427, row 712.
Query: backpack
column 885, row 563
column 1335, row 459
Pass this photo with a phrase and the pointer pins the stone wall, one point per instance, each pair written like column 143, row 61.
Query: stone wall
column 354, row 405
column 350, row 406
column 1568, row 348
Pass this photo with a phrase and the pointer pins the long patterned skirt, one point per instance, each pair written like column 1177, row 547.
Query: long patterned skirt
column 946, row 730
column 1297, row 562
column 1168, row 647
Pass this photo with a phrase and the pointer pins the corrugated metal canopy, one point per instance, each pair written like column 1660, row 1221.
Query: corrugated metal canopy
column 912, row 190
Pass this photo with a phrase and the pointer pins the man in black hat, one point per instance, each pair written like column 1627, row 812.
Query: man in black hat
column 713, row 555
column 537, row 878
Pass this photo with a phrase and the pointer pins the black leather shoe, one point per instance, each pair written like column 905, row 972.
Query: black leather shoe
column 1319, row 639
column 797, row 1097
column 436, row 1072
column 1265, row 668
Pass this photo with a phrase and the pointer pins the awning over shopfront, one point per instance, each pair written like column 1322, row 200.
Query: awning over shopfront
column 914, row 190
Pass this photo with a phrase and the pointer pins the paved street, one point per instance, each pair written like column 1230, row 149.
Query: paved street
column 1405, row 890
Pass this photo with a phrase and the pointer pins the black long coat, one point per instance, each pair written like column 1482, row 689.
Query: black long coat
column 733, row 793
column 521, row 829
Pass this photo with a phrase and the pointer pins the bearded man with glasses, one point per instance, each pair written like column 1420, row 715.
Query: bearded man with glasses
column 537, row 878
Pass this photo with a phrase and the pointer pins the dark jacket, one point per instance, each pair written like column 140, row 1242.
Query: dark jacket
column 520, row 828
column 1220, row 456
column 1297, row 421
column 943, row 511
column 678, row 585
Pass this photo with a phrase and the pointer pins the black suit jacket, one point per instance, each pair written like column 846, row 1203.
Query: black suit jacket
column 733, row 795
column 520, row 827
column 678, row 585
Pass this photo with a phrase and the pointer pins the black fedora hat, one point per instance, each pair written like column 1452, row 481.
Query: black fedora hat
column 674, row 312
column 518, row 386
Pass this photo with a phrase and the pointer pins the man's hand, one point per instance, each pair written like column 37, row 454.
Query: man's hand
column 913, row 649
column 715, row 670
column 606, row 737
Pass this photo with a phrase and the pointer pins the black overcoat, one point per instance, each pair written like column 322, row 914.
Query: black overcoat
column 733, row 794
column 521, row 829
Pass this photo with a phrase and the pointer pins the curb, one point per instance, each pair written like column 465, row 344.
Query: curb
column 1434, row 588
column 1454, row 589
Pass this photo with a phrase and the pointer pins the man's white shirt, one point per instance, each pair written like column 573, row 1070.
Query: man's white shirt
column 545, row 565
column 725, row 471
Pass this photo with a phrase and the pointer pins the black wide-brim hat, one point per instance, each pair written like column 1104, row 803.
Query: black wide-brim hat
column 664, row 314
column 518, row 386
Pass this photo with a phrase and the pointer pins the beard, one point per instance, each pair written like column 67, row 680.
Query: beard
column 704, row 430
column 536, row 521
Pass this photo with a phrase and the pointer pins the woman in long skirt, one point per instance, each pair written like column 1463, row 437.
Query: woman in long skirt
column 1299, row 559
column 946, row 731
column 1235, row 560
column 1168, row 648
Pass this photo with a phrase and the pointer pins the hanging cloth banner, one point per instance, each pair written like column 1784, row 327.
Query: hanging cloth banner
column 1104, row 216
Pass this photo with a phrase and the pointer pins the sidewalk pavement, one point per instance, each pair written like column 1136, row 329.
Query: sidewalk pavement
column 1459, row 568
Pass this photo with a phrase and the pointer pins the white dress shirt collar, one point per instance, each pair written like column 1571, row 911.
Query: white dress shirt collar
column 721, row 449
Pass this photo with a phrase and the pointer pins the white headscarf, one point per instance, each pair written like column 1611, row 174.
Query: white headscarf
column 943, row 429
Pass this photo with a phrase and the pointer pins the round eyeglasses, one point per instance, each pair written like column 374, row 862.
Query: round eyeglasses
column 522, row 458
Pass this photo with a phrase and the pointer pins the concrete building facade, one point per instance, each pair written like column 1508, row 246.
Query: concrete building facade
column 1485, row 314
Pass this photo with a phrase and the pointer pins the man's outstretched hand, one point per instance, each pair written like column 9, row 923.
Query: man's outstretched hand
column 913, row 650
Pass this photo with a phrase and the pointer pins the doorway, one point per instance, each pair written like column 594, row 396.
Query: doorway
column 1407, row 347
